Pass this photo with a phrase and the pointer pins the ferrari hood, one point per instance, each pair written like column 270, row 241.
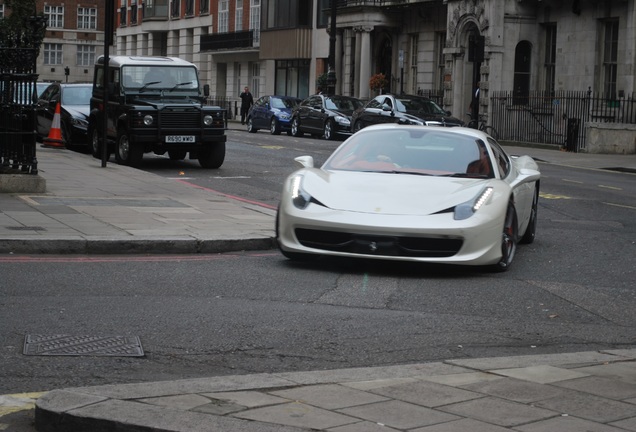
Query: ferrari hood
column 386, row 193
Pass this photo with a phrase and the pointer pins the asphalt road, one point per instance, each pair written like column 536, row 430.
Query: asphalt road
column 571, row 290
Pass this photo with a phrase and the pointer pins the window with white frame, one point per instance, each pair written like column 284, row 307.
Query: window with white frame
column 55, row 16
column 53, row 54
column 223, row 16
column 255, row 18
column 86, row 18
column 610, row 57
column 189, row 7
column 238, row 21
column 1, row 10
column 85, row 55
column 204, row 6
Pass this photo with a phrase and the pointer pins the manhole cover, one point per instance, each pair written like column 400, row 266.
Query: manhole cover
column 66, row 345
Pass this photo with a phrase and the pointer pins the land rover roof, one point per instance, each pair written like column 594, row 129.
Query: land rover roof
column 117, row 61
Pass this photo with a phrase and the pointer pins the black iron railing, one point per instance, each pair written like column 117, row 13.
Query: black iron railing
column 556, row 117
column 233, row 40
column 17, row 110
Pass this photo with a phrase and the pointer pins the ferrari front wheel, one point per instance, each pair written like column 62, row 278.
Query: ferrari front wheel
column 509, row 238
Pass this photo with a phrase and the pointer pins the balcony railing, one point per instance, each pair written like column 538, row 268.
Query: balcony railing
column 221, row 41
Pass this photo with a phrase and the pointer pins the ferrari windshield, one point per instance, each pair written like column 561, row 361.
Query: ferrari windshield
column 413, row 151
column 144, row 77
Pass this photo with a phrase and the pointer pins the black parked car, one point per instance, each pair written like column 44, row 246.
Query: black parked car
column 273, row 113
column 322, row 115
column 74, row 102
column 402, row 109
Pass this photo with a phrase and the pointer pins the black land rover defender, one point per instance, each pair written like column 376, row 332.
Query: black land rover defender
column 155, row 104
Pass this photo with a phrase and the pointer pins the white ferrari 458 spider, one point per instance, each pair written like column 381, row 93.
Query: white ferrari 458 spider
column 412, row 193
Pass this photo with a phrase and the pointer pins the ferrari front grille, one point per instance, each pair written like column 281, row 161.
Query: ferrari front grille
column 365, row 244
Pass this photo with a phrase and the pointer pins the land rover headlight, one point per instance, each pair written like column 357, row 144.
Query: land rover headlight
column 208, row 120
column 148, row 119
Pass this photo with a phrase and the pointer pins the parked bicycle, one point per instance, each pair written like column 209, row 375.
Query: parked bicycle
column 482, row 126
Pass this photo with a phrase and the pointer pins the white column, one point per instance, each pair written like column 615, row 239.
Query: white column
column 356, row 66
column 338, row 64
column 365, row 62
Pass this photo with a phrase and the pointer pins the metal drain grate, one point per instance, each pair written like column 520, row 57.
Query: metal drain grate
column 66, row 345
column 25, row 228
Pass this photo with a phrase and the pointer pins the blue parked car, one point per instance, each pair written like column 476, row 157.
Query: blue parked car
column 273, row 113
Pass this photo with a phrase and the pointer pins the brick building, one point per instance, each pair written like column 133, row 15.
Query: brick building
column 74, row 38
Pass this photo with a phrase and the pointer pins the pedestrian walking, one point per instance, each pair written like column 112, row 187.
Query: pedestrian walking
column 247, row 100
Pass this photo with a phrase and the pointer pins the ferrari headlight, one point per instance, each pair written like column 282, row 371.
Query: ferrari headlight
column 300, row 198
column 469, row 208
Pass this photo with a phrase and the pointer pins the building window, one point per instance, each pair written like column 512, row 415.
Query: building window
column 550, row 57
column 53, row 54
column 238, row 18
column 323, row 13
column 521, row 83
column 223, row 16
column 610, row 58
column 255, row 19
column 1, row 10
column 189, row 5
column 85, row 55
column 86, row 18
column 288, row 14
column 292, row 78
column 255, row 72
column 123, row 20
column 175, row 8
column 441, row 61
column 55, row 15
column 133, row 11
column 204, row 7
column 414, row 51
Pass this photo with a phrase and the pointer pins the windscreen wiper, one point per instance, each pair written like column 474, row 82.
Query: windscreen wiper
column 147, row 84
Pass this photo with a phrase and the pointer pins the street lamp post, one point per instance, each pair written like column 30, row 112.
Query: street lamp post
column 331, row 72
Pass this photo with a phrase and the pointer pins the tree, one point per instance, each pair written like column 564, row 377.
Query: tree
column 22, row 29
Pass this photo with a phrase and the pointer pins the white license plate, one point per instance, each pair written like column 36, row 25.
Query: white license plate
column 180, row 139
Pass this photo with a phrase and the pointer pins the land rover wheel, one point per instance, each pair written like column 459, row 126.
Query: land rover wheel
column 95, row 142
column 213, row 156
column 127, row 153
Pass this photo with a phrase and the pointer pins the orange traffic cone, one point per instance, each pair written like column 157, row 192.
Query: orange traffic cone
column 55, row 133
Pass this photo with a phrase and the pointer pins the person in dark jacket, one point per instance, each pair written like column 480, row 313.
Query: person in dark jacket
column 247, row 100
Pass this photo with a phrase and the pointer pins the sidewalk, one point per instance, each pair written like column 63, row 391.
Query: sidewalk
column 590, row 391
column 87, row 209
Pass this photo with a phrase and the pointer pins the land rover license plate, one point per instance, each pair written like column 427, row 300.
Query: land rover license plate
column 180, row 139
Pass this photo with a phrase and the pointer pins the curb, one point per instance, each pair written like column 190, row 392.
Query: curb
column 105, row 246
